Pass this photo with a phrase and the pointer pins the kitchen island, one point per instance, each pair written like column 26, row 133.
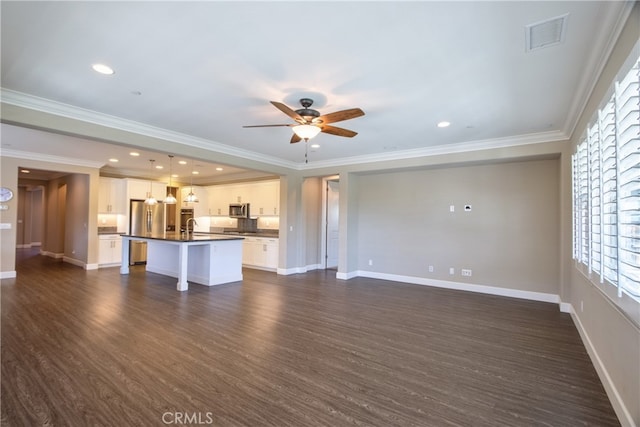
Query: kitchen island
column 202, row 258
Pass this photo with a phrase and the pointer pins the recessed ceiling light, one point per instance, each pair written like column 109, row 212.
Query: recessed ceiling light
column 183, row 162
column 113, row 160
column 103, row 69
column 159, row 167
column 195, row 172
column 219, row 169
column 25, row 171
column 134, row 154
column 444, row 124
column 175, row 175
column 315, row 145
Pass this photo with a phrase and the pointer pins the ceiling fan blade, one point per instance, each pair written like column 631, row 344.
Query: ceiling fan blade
column 265, row 126
column 339, row 116
column 289, row 112
column 338, row 131
column 295, row 138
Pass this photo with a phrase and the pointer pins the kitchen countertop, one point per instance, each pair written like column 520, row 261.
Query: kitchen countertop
column 245, row 234
column 179, row 237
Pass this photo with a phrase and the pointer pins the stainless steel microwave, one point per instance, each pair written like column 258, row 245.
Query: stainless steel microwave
column 239, row 210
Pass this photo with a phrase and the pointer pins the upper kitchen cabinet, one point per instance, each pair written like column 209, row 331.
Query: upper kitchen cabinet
column 201, row 207
column 111, row 196
column 219, row 199
column 265, row 198
column 139, row 189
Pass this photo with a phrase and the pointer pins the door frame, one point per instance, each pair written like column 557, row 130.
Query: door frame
column 323, row 239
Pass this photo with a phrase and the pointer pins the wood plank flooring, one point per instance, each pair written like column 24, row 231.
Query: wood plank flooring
column 94, row 348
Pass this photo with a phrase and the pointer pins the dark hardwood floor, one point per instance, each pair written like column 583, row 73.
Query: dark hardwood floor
column 94, row 348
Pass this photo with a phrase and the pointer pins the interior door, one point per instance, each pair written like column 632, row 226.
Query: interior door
column 332, row 224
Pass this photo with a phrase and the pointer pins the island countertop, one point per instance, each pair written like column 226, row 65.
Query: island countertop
column 179, row 237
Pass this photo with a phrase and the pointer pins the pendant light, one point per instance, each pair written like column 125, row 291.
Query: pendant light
column 191, row 198
column 171, row 199
column 150, row 200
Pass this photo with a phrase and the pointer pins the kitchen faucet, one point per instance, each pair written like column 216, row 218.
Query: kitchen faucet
column 187, row 226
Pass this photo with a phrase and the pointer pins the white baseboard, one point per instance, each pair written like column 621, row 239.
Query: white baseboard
column 625, row 418
column 347, row 276
column 565, row 307
column 297, row 270
column 52, row 254
column 470, row 287
column 91, row 266
column 7, row 274
column 73, row 261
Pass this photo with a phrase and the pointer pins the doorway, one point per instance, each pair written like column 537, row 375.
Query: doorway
column 331, row 222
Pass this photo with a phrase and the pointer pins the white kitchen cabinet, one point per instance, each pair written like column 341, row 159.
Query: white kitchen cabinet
column 139, row 189
column 270, row 251
column 260, row 253
column 201, row 207
column 109, row 250
column 265, row 198
column 111, row 196
column 219, row 196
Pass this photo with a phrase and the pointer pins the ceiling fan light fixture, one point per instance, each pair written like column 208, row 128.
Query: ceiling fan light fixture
column 306, row 132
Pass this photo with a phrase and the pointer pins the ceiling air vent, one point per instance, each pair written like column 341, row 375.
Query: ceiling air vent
column 546, row 33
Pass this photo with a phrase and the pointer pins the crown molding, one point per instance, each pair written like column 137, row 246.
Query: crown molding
column 44, row 105
column 65, row 110
column 50, row 158
column 596, row 64
column 463, row 147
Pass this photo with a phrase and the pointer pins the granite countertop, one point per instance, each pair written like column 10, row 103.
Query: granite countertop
column 179, row 237
column 250, row 234
column 108, row 230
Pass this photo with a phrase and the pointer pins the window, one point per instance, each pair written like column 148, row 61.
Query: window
column 606, row 190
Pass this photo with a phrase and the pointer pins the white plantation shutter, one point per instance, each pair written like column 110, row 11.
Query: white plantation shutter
column 595, row 183
column 606, row 190
column 628, row 138
column 576, row 210
column 609, row 193
column 583, row 203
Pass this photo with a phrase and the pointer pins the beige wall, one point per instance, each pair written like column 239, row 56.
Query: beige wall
column 509, row 239
column 609, row 325
column 70, row 206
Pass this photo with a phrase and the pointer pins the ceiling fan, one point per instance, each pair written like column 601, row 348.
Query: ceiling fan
column 308, row 119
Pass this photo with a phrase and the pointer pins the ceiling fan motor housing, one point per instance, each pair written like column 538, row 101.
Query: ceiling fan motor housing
column 306, row 112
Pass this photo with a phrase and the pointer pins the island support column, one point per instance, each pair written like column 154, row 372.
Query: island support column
column 183, row 285
column 124, row 264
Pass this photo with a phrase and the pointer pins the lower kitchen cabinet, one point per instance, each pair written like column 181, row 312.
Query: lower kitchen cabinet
column 260, row 252
column 109, row 250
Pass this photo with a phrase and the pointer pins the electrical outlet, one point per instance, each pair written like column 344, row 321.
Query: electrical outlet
column 431, row 269
column 370, row 262
column 452, row 271
column 452, row 208
column 465, row 272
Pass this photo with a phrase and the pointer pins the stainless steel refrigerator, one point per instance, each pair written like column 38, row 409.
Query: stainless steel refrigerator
column 144, row 220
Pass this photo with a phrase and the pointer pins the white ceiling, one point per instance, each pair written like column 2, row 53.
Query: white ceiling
column 205, row 69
